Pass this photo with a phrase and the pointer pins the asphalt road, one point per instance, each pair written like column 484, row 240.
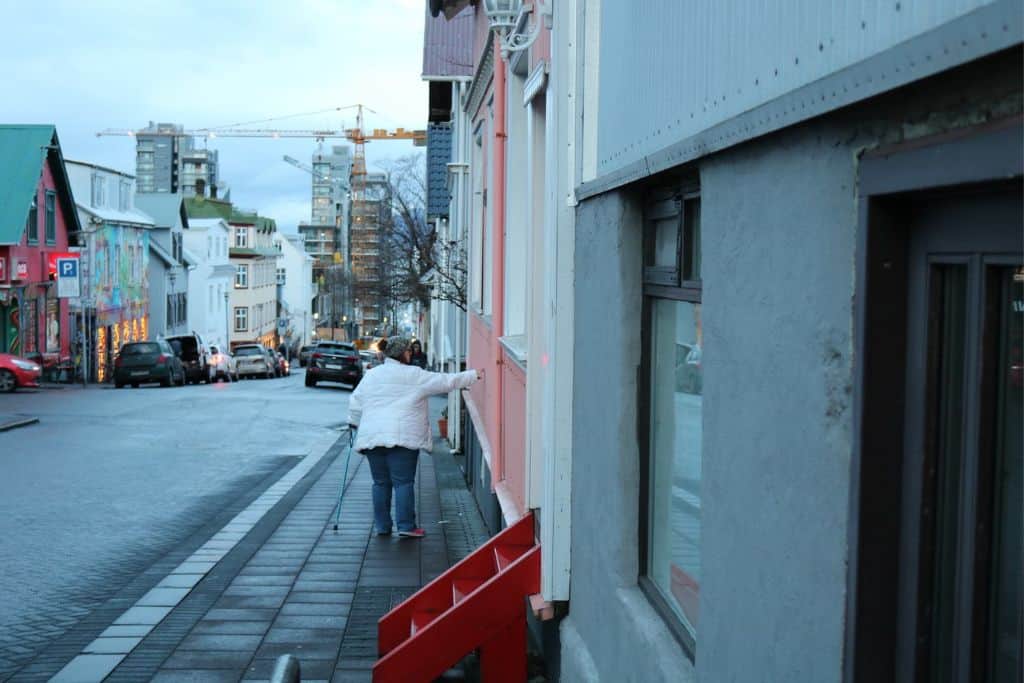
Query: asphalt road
column 110, row 479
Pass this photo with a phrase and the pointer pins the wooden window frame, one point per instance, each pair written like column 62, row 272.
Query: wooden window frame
column 32, row 222
column 660, row 283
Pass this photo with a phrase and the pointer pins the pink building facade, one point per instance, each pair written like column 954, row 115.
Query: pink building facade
column 39, row 215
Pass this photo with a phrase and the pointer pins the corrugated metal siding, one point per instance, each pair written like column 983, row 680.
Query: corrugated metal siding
column 679, row 68
column 439, row 154
column 448, row 45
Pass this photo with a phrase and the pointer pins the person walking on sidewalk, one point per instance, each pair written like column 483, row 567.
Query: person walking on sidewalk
column 417, row 357
column 389, row 408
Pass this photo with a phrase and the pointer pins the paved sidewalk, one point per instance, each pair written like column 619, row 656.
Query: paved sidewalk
column 291, row 584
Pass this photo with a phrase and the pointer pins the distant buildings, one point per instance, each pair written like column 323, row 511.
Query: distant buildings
column 166, row 160
column 295, row 290
column 168, row 265
column 253, row 298
column 371, row 216
column 210, row 282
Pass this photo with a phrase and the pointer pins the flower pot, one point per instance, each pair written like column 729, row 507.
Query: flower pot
column 442, row 427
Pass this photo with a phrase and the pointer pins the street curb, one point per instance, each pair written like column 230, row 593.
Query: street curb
column 8, row 426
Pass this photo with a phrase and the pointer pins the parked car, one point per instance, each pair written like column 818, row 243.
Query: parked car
column 16, row 371
column 283, row 368
column 304, row 352
column 371, row 359
column 195, row 357
column 151, row 361
column 334, row 362
column 222, row 365
column 254, row 360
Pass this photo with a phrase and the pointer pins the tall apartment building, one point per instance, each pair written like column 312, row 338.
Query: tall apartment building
column 167, row 160
column 331, row 186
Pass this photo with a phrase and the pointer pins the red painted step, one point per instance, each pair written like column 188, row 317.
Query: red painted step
column 463, row 587
column 480, row 603
column 504, row 555
column 421, row 619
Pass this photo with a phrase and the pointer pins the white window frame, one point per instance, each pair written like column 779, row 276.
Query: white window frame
column 242, row 237
column 98, row 197
column 241, row 316
column 242, row 276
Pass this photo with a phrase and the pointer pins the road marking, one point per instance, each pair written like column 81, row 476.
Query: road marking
column 100, row 657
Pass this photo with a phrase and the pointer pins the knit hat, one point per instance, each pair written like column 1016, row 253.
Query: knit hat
column 395, row 347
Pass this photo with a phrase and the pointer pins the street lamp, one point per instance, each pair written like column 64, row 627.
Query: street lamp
column 227, row 321
column 506, row 16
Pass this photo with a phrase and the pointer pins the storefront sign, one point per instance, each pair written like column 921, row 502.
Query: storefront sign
column 3, row 268
column 52, row 258
column 21, row 270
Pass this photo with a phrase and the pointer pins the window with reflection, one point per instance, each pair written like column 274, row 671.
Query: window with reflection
column 674, row 388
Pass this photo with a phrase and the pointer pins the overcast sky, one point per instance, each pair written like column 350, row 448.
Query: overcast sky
column 87, row 66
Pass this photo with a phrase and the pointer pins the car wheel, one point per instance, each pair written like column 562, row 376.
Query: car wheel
column 135, row 385
column 119, row 385
column 165, row 382
column 310, row 382
column 8, row 382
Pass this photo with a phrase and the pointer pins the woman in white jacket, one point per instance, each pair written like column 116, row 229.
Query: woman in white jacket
column 390, row 409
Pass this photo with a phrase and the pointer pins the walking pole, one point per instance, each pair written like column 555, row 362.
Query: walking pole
column 344, row 477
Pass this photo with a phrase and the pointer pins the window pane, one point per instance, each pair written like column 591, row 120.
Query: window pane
column 666, row 242
column 675, row 457
column 1005, row 601
column 691, row 240
column 946, row 349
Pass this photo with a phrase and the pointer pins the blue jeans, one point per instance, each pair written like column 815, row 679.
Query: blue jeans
column 393, row 468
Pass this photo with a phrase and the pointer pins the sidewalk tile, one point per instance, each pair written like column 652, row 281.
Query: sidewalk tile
column 87, row 669
column 110, row 646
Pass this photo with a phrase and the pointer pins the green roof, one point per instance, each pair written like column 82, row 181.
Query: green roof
column 22, row 152
column 205, row 207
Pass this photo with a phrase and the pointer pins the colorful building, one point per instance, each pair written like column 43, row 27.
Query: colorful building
column 115, row 239
column 38, row 222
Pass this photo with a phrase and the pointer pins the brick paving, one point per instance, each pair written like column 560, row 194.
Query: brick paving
column 292, row 585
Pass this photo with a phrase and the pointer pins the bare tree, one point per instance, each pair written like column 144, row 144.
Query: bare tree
column 418, row 266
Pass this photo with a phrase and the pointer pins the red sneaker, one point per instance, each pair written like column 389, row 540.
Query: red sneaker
column 413, row 533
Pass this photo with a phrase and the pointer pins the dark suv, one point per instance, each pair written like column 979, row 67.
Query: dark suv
column 334, row 362
column 194, row 355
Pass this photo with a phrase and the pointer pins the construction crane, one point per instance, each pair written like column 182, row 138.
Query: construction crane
column 310, row 170
column 356, row 135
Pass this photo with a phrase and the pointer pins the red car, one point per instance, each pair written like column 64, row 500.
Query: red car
column 17, row 372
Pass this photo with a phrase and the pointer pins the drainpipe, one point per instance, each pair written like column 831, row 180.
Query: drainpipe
column 498, row 275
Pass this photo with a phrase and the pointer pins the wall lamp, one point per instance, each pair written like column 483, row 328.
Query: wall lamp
column 509, row 20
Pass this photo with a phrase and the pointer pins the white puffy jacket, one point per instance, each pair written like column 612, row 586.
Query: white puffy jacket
column 390, row 404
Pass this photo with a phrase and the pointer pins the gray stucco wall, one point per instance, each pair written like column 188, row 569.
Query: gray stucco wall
column 778, row 227
column 611, row 630
column 779, row 221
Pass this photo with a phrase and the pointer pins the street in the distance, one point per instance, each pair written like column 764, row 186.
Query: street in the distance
column 109, row 479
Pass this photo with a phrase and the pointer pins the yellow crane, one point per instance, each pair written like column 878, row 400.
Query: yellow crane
column 357, row 136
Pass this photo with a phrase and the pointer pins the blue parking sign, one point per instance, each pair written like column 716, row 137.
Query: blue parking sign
column 67, row 278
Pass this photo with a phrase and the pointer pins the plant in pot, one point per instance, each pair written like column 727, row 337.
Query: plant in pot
column 442, row 424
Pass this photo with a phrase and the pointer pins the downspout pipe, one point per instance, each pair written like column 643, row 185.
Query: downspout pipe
column 498, row 275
